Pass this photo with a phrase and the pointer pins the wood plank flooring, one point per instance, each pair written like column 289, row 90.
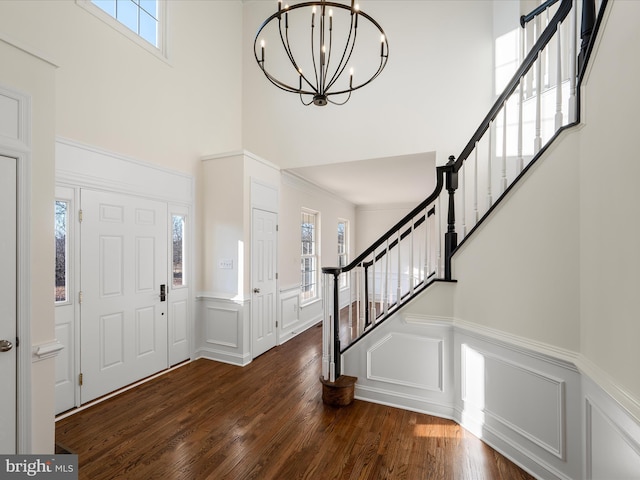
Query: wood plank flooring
column 209, row 420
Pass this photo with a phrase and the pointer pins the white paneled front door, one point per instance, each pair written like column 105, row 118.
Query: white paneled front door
column 8, row 357
column 123, row 269
column 264, row 285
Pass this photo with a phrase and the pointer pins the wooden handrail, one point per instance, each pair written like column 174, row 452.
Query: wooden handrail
column 529, row 61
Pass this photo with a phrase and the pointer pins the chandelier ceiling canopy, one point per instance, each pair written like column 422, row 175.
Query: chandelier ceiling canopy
column 307, row 48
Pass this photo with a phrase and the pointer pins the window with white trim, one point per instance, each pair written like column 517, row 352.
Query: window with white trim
column 343, row 249
column 178, row 224
column 62, row 251
column 139, row 16
column 309, row 256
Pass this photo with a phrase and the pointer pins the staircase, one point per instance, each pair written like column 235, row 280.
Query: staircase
column 537, row 104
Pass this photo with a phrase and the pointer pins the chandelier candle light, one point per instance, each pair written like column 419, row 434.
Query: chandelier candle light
column 317, row 74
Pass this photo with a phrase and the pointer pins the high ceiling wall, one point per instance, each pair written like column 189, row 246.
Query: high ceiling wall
column 432, row 95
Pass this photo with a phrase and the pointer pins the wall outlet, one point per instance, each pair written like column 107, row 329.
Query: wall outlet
column 225, row 263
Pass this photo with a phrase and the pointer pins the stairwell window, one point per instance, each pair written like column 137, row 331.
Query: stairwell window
column 309, row 256
column 343, row 249
column 142, row 21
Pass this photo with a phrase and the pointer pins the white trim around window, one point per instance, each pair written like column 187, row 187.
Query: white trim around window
column 159, row 51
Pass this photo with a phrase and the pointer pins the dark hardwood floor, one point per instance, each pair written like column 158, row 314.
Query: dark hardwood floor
column 209, row 420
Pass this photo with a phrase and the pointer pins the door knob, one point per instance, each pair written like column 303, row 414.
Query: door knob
column 256, row 290
column 5, row 345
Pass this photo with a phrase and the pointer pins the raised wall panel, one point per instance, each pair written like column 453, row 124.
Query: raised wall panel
column 289, row 309
column 222, row 326
column 612, row 452
column 145, row 331
column 409, row 360
column 111, row 340
column 111, row 266
column 520, row 398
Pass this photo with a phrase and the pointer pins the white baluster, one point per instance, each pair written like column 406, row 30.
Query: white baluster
column 372, row 309
column 504, row 148
column 537, row 142
column 411, row 265
column 399, row 294
column 559, row 118
column 520, row 162
column 427, row 249
column 463, row 199
column 489, row 158
column 476, row 215
column 573, row 74
column 387, row 283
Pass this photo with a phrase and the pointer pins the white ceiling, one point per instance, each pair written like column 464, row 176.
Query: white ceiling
column 379, row 181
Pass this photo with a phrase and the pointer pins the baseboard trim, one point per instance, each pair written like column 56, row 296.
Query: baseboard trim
column 224, row 357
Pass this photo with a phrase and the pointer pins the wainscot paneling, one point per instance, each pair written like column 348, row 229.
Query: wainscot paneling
column 612, row 437
column 406, row 363
column 422, row 357
column 519, row 400
column 221, row 332
column 522, row 401
column 497, row 391
column 294, row 318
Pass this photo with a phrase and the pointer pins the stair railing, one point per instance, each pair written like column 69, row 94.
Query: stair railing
column 536, row 104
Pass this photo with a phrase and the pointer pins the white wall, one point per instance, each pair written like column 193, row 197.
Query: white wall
column 544, row 315
column 609, row 196
column 35, row 78
column 297, row 194
column 437, row 86
column 375, row 220
column 112, row 93
column 519, row 272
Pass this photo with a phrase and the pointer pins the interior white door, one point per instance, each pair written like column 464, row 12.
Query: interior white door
column 8, row 211
column 123, row 269
column 264, row 284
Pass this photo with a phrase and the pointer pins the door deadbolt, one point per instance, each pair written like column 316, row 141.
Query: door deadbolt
column 163, row 293
column 5, row 345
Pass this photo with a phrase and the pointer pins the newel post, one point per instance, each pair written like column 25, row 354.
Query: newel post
column 331, row 324
column 451, row 237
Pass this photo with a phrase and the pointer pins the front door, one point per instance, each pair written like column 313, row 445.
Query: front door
column 8, row 280
column 263, row 267
column 123, row 274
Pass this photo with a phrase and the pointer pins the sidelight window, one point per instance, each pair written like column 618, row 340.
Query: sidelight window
column 61, row 251
column 178, row 250
column 309, row 256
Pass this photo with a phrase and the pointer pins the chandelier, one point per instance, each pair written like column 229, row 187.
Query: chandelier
column 318, row 42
